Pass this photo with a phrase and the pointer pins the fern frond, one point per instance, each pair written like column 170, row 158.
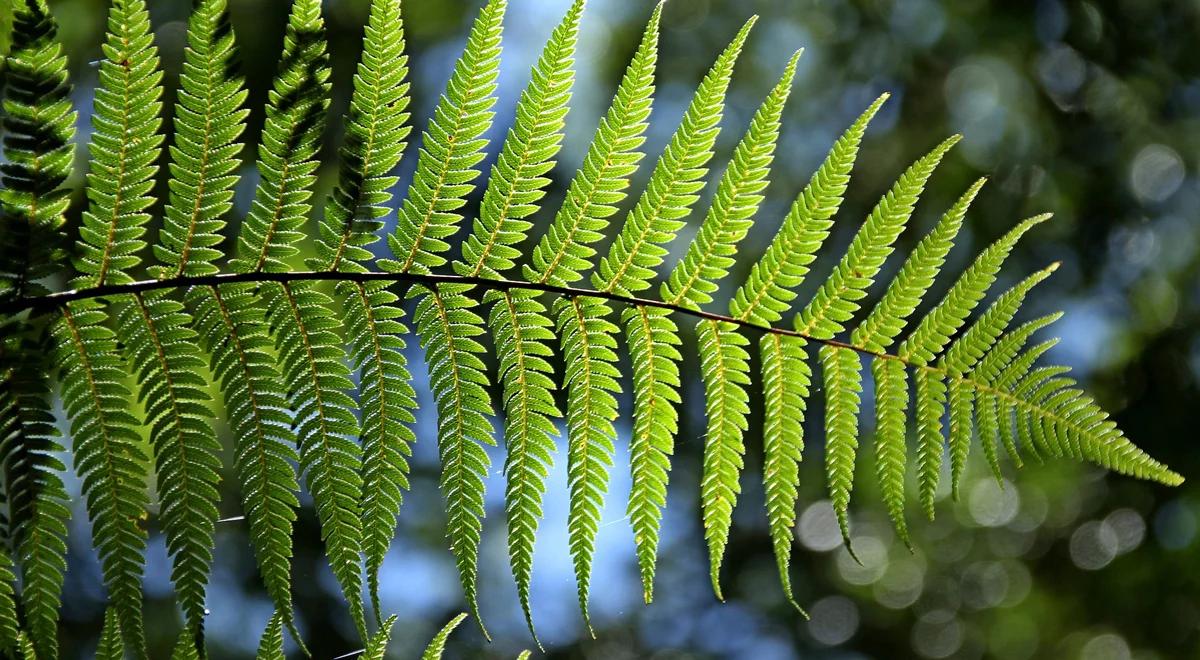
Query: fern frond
column 939, row 325
column 518, row 321
column 108, row 457
column 124, row 148
column 770, row 288
column 38, row 505
column 110, row 646
column 205, row 156
column 447, row 328
column 838, row 298
column 909, row 286
column 234, row 332
column 374, row 332
column 39, row 133
column 725, row 370
column 518, row 178
column 377, row 131
column 451, row 147
column 592, row 382
column 674, row 185
column 377, row 645
column 931, row 406
column 565, row 251
column 731, row 214
column 291, row 138
column 843, row 386
column 9, row 625
column 654, row 341
column 437, row 645
column 314, row 365
column 270, row 647
column 166, row 359
column 185, row 648
column 891, row 449
column 786, row 378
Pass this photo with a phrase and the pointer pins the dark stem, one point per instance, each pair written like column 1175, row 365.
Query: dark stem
column 48, row 302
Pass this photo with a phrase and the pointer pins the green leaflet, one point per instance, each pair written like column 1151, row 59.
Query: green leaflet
column 38, row 505
column 377, row 645
column 110, row 646
column 786, row 378
column 9, row 631
column 674, row 184
column 205, row 155
column 724, row 366
column 931, row 405
column 591, row 377
column 163, row 350
column 438, row 644
column 770, row 288
column 271, row 645
column 843, row 386
column 39, row 131
column 654, row 342
column 891, row 450
column 234, row 331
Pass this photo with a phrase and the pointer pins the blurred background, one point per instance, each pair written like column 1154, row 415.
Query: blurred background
column 1090, row 110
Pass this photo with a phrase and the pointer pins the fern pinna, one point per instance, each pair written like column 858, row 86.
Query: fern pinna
column 309, row 362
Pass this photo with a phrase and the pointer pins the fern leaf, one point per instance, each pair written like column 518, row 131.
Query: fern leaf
column 566, row 249
column 838, row 298
column 185, row 648
column 448, row 328
column 108, row 457
column 205, row 156
column 654, row 351
column 770, row 288
column 38, row 505
column 786, row 378
column 377, row 645
column 518, row 178
column 377, row 131
column 314, row 365
column 124, row 148
column 724, row 367
column 910, row 285
column 9, row 626
column 842, row 401
column 731, row 214
column 931, row 405
column 110, row 646
column 166, row 358
column 39, row 127
column 592, row 382
column 518, row 321
column 437, row 645
column 234, row 332
column 891, row 452
column 291, row 138
column 451, row 147
column 674, row 185
column 270, row 647
column 374, row 332
column 936, row 328
column 25, row 648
